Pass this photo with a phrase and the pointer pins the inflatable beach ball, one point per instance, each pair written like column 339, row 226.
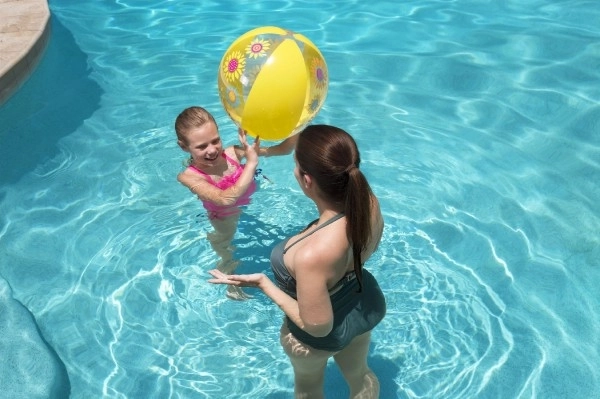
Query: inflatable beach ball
column 272, row 82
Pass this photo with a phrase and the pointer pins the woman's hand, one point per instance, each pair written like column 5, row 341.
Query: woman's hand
column 260, row 280
column 239, row 280
column 250, row 150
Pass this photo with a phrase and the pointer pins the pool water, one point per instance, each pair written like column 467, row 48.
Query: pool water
column 479, row 129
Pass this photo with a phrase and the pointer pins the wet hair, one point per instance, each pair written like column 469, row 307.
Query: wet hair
column 190, row 118
column 330, row 156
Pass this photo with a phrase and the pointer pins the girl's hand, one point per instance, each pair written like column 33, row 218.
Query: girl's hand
column 250, row 150
column 238, row 280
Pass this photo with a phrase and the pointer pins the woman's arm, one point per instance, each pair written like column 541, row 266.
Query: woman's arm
column 285, row 302
column 284, row 148
column 312, row 311
column 259, row 280
column 313, row 268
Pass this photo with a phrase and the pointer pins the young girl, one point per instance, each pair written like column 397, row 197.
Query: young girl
column 220, row 181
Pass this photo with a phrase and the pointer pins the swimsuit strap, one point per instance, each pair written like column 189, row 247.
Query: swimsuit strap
column 210, row 179
column 326, row 223
column 198, row 170
column 203, row 173
column 231, row 160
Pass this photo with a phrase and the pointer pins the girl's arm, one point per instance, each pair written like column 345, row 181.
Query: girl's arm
column 207, row 192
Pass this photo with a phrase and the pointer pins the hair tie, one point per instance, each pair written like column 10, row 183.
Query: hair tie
column 349, row 168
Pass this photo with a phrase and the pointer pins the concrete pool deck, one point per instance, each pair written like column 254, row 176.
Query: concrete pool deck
column 24, row 33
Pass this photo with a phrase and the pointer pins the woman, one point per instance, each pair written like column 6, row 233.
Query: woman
column 331, row 303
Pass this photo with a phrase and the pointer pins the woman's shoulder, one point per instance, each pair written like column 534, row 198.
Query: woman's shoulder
column 328, row 245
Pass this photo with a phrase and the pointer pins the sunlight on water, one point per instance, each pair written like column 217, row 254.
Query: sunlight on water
column 478, row 126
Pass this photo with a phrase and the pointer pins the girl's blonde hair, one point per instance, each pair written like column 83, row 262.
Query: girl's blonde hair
column 190, row 118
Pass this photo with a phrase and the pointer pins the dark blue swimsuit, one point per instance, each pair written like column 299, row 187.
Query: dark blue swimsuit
column 354, row 313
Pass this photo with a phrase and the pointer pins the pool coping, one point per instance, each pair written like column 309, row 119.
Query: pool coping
column 24, row 34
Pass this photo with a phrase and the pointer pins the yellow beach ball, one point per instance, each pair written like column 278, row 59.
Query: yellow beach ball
column 272, row 82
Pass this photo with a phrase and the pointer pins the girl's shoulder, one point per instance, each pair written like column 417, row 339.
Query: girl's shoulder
column 236, row 152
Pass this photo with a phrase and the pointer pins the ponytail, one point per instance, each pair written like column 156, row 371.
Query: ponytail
column 357, row 209
column 331, row 157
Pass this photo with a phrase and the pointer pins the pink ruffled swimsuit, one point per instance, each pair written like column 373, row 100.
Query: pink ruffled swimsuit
column 219, row 211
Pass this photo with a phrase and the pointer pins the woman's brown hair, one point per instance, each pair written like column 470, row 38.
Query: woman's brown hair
column 330, row 156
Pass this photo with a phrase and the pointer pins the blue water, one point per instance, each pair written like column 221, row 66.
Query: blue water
column 479, row 126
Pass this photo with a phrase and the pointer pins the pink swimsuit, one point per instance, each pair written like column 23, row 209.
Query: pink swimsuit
column 219, row 211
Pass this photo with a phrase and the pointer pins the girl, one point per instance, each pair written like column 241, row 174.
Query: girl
column 217, row 177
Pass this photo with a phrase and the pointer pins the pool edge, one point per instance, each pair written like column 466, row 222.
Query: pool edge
column 24, row 34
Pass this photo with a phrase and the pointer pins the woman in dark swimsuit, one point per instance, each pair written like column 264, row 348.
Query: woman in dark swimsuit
column 330, row 301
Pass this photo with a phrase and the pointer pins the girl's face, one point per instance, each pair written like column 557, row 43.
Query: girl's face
column 204, row 145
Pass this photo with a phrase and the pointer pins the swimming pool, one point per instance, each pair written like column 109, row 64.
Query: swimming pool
column 479, row 126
